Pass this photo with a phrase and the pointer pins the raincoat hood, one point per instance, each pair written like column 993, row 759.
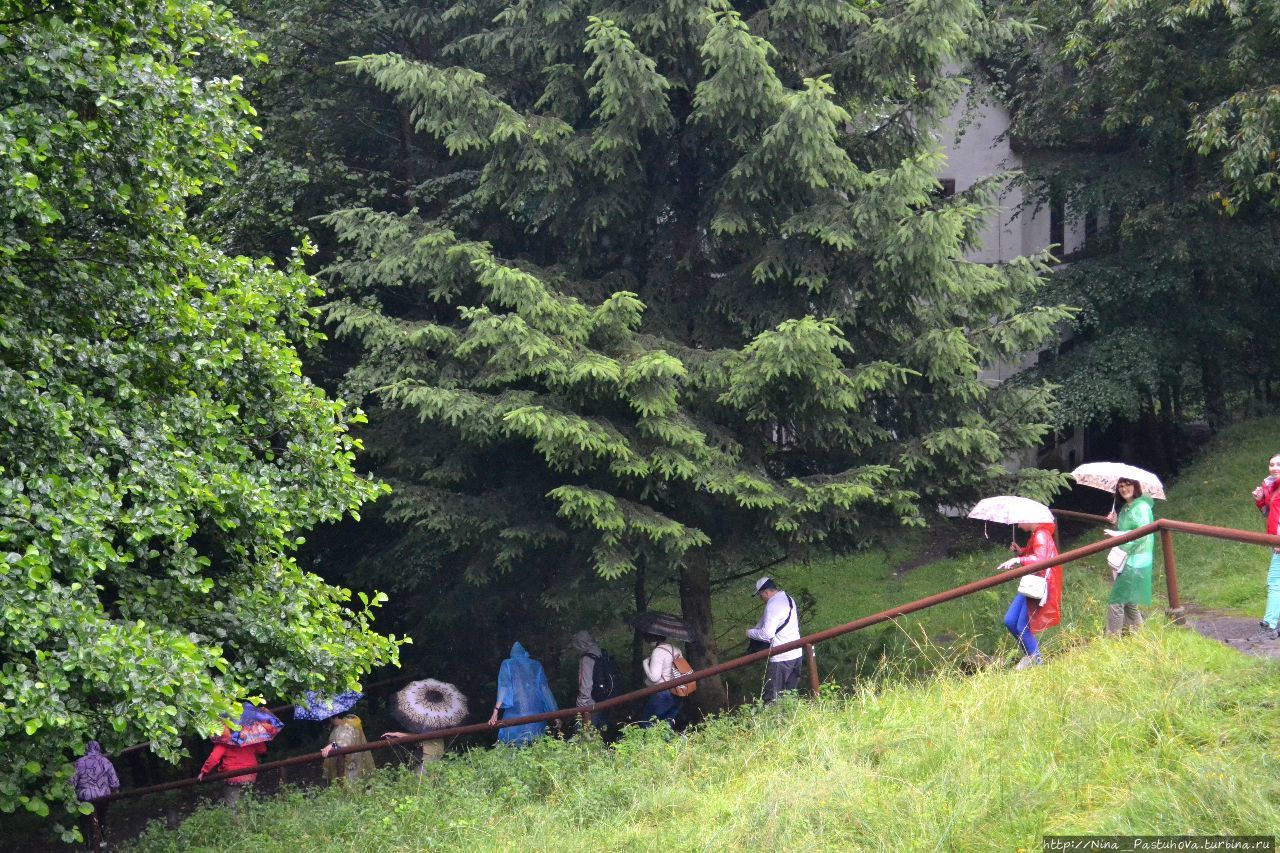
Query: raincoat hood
column 349, row 720
column 92, row 748
column 584, row 644
column 518, row 652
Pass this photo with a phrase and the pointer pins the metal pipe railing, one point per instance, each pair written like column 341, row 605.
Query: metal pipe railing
column 1162, row 526
column 1072, row 515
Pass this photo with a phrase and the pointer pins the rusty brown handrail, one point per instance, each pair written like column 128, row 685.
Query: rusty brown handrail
column 1072, row 515
column 1162, row 526
column 279, row 709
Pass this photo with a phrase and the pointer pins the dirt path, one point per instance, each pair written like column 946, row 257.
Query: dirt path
column 1239, row 632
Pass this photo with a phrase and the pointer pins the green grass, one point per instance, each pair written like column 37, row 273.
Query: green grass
column 1164, row 732
column 1215, row 490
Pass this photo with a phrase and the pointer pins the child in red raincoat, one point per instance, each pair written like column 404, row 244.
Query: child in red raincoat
column 1027, row 616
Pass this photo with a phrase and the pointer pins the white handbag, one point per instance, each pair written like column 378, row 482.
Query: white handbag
column 1115, row 559
column 1033, row 586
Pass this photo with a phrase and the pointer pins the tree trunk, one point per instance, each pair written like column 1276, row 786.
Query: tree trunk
column 1152, row 437
column 1169, row 428
column 695, row 608
column 641, row 598
column 1215, row 405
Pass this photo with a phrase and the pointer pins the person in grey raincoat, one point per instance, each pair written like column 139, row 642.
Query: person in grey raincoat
column 588, row 651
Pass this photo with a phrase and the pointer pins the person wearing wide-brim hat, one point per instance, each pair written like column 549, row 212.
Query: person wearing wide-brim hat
column 780, row 623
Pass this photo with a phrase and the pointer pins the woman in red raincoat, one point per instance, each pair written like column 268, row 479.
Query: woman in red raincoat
column 1027, row 616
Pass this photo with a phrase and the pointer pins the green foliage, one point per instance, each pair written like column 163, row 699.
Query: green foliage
column 1164, row 729
column 1215, row 489
column 1153, row 118
column 680, row 292
column 160, row 449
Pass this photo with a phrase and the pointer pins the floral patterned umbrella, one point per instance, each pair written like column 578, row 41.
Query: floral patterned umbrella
column 257, row 725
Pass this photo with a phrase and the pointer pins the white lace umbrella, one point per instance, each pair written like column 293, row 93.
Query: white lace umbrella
column 1105, row 475
column 1011, row 509
column 423, row 706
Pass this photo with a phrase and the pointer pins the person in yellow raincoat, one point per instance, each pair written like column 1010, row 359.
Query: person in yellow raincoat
column 347, row 731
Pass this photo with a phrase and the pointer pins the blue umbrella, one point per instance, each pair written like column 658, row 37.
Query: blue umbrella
column 317, row 706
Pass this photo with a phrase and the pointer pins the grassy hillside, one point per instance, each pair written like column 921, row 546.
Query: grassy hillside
column 1215, row 490
column 1212, row 573
column 1164, row 732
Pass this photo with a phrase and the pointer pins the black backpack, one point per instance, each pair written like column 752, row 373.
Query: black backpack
column 606, row 678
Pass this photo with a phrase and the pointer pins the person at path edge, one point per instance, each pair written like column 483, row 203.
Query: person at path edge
column 1267, row 499
column 780, row 623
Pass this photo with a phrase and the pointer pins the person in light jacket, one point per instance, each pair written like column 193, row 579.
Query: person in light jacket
column 780, row 623
column 658, row 667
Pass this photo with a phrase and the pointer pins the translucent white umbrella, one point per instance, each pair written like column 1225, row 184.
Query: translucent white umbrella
column 1011, row 509
column 1105, row 475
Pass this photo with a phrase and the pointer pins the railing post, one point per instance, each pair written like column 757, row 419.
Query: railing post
column 814, row 684
column 1176, row 612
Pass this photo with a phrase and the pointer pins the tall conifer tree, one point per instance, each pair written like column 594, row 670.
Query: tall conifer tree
column 680, row 290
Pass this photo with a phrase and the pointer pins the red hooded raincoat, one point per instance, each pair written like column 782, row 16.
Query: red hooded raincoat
column 1041, row 547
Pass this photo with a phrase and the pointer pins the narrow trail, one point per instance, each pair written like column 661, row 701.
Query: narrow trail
column 1241, row 633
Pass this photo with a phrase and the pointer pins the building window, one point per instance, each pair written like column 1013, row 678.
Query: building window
column 1090, row 229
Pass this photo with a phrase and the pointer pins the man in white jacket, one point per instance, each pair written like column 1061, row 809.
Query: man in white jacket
column 780, row 623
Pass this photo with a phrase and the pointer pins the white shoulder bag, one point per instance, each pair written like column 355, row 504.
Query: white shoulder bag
column 1115, row 559
column 1033, row 586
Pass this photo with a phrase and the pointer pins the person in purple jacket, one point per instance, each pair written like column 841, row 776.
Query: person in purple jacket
column 94, row 777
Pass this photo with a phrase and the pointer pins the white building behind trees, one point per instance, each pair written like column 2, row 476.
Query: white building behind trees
column 976, row 141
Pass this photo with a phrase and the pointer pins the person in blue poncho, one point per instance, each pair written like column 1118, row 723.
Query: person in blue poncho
column 522, row 690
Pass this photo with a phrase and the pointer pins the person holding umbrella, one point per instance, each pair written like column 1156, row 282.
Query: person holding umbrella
column 239, row 750
column 1131, row 584
column 346, row 730
column 425, row 706
column 1037, row 604
column 1267, row 499
column 1131, row 562
column 660, row 666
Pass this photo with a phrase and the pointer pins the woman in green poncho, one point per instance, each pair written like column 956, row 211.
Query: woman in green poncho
column 1132, row 586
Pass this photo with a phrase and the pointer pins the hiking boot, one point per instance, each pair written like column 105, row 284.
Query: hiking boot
column 1028, row 661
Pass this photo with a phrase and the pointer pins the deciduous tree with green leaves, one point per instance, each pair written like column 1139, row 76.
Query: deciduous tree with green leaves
column 678, row 290
column 160, row 451
column 1156, row 118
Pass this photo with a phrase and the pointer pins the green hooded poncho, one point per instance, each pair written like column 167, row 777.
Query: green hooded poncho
column 1133, row 586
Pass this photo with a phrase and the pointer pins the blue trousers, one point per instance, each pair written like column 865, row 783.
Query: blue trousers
column 660, row 706
column 1272, row 615
column 1015, row 619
